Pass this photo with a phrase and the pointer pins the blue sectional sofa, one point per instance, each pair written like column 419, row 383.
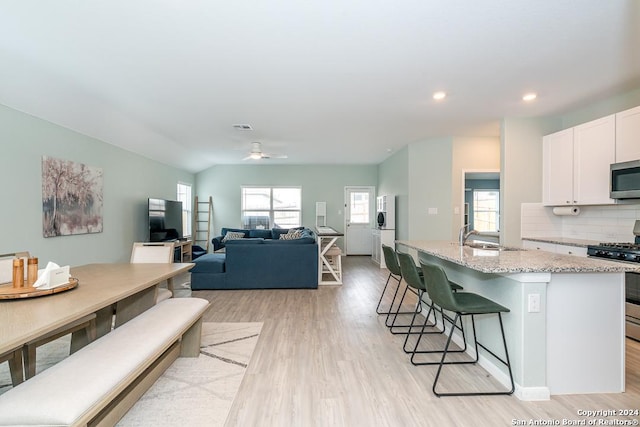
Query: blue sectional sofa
column 259, row 260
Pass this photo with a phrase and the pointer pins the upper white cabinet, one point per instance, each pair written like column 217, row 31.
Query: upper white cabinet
column 628, row 135
column 594, row 149
column 557, row 169
column 576, row 163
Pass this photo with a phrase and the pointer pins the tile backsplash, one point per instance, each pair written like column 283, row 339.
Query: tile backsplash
column 600, row 223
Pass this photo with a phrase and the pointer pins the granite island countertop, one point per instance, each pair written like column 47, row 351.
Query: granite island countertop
column 516, row 260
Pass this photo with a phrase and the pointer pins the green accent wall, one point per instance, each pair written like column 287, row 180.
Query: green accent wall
column 393, row 178
column 601, row 109
column 320, row 183
column 520, row 171
column 427, row 176
column 422, row 175
column 129, row 179
column 430, row 184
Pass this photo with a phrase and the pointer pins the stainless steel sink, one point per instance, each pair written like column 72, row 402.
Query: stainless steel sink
column 489, row 246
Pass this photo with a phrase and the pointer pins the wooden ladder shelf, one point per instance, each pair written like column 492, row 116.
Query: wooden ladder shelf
column 202, row 222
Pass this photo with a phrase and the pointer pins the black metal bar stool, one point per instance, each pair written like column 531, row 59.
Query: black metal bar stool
column 391, row 260
column 412, row 276
column 463, row 304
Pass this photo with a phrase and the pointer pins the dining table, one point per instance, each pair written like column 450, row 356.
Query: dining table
column 115, row 292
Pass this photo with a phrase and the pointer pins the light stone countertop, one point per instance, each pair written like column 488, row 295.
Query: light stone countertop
column 516, row 260
column 581, row 243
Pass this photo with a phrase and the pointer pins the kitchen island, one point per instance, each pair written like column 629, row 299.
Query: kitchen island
column 565, row 331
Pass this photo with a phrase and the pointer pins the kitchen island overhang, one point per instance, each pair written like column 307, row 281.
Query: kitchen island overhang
column 574, row 344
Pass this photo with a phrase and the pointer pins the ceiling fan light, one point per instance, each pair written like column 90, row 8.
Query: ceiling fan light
column 439, row 95
column 255, row 156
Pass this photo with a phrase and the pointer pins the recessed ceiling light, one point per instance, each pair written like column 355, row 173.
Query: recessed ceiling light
column 439, row 95
column 529, row 97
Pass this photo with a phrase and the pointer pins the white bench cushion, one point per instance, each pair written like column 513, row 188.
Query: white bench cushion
column 63, row 393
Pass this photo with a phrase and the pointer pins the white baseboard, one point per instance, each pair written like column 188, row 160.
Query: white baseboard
column 532, row 393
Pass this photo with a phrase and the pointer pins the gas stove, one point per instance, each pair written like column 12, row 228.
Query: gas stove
column 617, row 251
column 627, row 252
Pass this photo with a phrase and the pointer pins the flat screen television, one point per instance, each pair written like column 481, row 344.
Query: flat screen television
column 165, row 220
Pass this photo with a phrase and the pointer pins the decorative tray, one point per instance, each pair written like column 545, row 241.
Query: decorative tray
column 7, row 291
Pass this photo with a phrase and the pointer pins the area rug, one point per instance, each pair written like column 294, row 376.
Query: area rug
column 192, row 391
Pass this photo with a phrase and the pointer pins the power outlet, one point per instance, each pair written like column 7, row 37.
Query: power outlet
column 534, row 303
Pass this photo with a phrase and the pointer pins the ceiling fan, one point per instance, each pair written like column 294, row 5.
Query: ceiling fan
column 256, row 153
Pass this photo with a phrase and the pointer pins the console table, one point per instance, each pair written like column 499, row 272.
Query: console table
column 184, row 248
column 330, row 262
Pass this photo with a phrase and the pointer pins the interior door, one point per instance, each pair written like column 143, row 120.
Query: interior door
column 358, row 219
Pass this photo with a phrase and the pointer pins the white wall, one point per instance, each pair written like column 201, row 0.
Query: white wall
column 129, row 180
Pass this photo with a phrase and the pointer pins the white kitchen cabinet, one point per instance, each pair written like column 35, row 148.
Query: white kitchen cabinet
column 539, row 246
column 571, row 250
column 557, row 168
column 628, row 135
column 376, row 247
column 381, row 237
column 554, row 248
column 576, row 164
column 593, row 152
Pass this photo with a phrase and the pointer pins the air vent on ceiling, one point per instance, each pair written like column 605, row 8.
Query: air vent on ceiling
column 242, row 127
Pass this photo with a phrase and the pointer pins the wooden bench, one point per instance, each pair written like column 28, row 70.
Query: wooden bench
column 99, row 383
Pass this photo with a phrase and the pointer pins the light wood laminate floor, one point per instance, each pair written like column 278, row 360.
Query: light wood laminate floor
column 325, row 358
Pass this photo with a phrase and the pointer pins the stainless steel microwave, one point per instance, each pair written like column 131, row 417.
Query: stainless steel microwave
column 625, row 180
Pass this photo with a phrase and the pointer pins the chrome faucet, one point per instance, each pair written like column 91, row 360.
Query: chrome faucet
column 462, row 236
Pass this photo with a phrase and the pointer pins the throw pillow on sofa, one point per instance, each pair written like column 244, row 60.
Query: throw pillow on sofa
column 233, row 235
column 291, row 235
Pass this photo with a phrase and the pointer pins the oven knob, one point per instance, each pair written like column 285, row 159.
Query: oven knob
column 637, row 258
column 622, row 256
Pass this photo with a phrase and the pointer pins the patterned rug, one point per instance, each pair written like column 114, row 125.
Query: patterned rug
column 192, row 391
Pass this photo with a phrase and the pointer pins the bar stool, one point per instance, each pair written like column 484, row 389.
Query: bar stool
column 391, row 260
column 412, row 276
column 463, row 304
